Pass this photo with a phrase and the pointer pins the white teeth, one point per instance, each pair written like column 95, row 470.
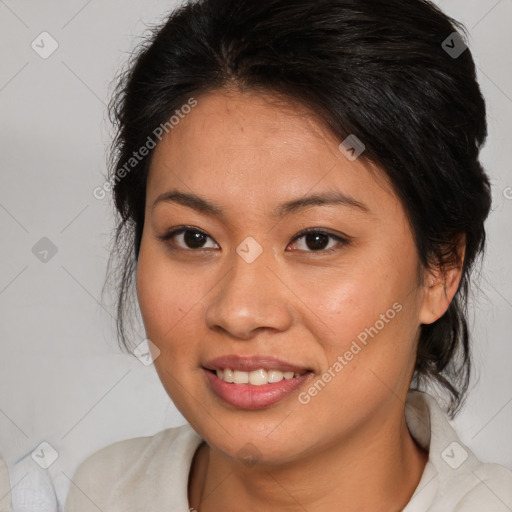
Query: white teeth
column 240, row 377
column 258, row 377
column 275, row 376
column 228, row 375
column 255, row 377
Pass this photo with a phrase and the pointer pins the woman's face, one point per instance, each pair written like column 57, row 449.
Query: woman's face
column 241, row 285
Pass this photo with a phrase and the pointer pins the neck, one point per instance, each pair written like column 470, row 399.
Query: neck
column 377, row 468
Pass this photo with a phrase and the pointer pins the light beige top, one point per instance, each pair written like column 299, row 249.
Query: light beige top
column 151, row 473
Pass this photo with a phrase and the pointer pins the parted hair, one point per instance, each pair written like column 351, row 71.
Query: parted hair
column 377, row 69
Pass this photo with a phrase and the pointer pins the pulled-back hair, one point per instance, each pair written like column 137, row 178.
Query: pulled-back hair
column 377, row 69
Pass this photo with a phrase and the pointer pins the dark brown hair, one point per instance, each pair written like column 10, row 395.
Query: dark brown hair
column 374, row 68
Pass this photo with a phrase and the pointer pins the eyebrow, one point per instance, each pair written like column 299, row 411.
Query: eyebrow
column 332, row 197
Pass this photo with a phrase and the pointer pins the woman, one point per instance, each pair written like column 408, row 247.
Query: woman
column 248, row 133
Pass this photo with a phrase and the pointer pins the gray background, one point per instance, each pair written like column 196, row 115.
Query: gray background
column 63, row 379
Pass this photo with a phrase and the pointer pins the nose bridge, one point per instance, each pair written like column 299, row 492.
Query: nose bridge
column 250, row 296
column 251, row 270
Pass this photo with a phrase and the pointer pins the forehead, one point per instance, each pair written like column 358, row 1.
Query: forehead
column 258, row 149
column 246, row 124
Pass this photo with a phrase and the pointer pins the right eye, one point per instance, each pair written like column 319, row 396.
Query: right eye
column 192, row 238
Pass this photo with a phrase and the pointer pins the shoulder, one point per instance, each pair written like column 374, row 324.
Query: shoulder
column 457, row 481
column 127, row 470
column 136, row 450
column 133, row 452
column 491, row 489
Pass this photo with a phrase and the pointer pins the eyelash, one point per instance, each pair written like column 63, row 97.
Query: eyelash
column 182, row 229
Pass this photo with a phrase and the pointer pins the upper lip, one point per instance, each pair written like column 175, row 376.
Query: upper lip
column 250, row 363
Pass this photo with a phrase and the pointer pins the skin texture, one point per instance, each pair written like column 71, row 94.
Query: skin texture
column 348, row 448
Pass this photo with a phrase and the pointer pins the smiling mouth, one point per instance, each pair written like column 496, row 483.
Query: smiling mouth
column 257, row 377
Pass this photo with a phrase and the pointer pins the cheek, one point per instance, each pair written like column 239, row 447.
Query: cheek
column 348, row 298
column 166, row 299
column 366, row 312
column 368, row 350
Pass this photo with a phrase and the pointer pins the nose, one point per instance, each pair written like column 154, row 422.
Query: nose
column 252, row 297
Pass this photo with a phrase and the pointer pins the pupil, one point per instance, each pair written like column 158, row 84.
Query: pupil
column 314, row 238
column 192, row 238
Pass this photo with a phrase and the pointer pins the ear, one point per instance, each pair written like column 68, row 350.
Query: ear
column 441, row 284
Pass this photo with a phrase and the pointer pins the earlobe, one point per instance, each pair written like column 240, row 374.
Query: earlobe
column 441, row 285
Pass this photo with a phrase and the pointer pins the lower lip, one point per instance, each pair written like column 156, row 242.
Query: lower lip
column 248, row 396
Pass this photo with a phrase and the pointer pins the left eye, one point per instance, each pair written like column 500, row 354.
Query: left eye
column 318, row 241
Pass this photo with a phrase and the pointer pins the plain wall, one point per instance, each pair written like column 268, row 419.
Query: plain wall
column 63, row 378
